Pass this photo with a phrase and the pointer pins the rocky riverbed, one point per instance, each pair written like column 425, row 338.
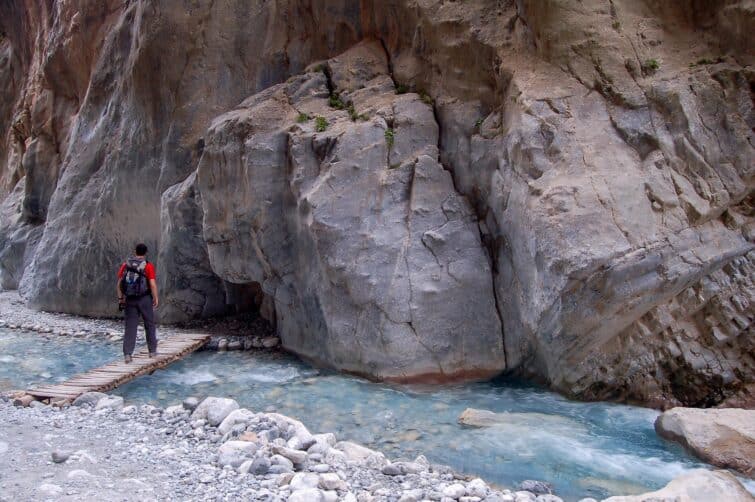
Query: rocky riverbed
column 100, row 449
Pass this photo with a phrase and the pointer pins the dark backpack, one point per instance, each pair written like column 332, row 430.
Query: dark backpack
column 134, row 280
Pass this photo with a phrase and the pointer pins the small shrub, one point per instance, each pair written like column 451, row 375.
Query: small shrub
column 401, row 89
column 651, row 66
column 616, row 25
column 389, row 137
column 478, row 124
column 426, row 98
column 303, row 117
column 321, row 124
column 335, row 102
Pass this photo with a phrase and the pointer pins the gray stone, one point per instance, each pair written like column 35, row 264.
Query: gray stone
column 281, row 469
column 88, row 399
column 214, row 410
column 454, row 491
column 270, row 341
column 296, row 456
column 60, row 456
column 282, row 461
column 478, row 488
column 110, row 403
column 304, row 480
column 190, row 403
column 331, row 481
column 536, row 487
column 392, row 470
column 241, row 416
column 261, row 465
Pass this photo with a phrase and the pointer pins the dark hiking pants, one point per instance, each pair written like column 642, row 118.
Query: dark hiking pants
column 136, row 307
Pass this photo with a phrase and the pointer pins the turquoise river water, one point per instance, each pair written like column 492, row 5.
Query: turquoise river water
column 584, row 449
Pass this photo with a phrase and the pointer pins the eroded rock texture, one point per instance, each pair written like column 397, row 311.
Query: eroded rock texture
column 558, row 189
column 373, row 259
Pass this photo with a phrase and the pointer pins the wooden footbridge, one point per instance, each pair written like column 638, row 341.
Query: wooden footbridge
column 117, row 373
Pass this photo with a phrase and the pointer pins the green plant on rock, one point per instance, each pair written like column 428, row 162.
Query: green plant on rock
column 303, row 117
column 401, row 89
column 335, row 102
column 389, row 137
column 321, row 124
column 616, row 25
column 651, row 65
column 478, row 125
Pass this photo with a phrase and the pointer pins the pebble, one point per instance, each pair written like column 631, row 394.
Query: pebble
column 60, row 456
column 392, row 470
column 190, row 403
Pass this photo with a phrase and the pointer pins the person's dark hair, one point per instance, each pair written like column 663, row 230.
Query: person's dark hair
column 141, row 249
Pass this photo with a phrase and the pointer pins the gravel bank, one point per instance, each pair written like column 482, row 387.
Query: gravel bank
column 242, row 332
column 100, row 449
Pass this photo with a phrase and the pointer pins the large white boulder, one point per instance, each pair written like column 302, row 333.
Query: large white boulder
column 699, row 485
column 723, row 437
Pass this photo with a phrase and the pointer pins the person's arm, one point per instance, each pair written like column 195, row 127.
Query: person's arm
column 152, row 278
column 153, row 288
column 118, row 291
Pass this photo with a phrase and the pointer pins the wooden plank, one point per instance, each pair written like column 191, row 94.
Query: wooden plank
column 111, row 375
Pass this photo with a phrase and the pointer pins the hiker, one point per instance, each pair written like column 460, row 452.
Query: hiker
column 137, row 295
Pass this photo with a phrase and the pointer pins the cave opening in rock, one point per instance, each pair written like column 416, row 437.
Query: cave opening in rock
column 248, row 300
column 243, row 298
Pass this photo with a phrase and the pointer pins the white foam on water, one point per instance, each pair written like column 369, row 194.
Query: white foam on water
column 192, row 377
column 7, row 359
column 582, row 450
column 267, row 374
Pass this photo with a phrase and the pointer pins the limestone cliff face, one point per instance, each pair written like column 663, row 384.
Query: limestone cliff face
column 559, row 189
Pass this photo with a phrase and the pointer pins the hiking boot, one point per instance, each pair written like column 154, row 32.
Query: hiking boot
column 127, row 359
column 152, row 354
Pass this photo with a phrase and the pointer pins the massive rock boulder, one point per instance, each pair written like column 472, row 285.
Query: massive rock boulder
column 344, row 215
column 583, row 172
column 724, row 438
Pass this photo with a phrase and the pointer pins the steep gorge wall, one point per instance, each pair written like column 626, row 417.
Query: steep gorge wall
column 605, row 148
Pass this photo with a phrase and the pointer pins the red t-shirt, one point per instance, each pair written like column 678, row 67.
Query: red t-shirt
column 149, row 271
